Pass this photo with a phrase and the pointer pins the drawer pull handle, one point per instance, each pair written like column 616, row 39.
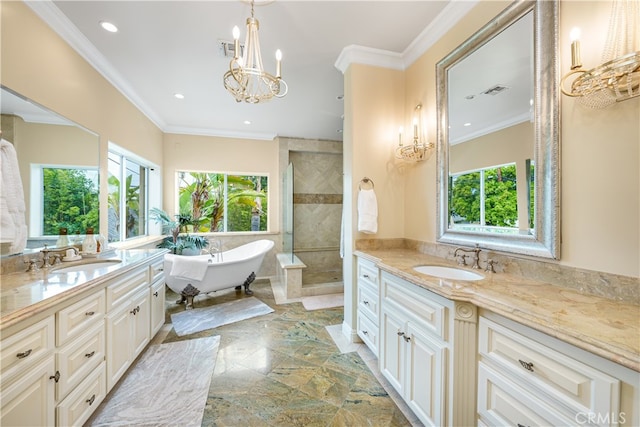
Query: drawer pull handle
column 406, row 338
column 155, row 294
column 522, row 425
column 55, row 377
column 365, row 302
column 526, row 365
column 90, row 401
column 89, row 355
column 365, row 332
column 366, row 276
column 135, row 310
column 24, row 354
column 400, row 333
column 90, row 313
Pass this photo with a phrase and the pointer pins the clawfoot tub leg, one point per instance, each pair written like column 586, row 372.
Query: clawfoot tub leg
column 248, row 282
column 187, row 295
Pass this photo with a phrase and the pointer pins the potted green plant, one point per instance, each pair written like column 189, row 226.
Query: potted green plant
column 179, row 244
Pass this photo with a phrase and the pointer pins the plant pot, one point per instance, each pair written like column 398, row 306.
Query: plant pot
column 190, row 251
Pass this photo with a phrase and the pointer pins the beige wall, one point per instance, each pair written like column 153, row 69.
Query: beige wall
column 214, row 154
column 599, row 150
column 39, row 65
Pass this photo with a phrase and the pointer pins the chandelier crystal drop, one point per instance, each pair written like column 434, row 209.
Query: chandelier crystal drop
column 246, row 79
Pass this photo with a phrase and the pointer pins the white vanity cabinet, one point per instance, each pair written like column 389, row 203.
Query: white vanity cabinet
column 128, row 322
column 57, row 367
column 427, row 351
column 157, row 295
column 27, row 368
column 528, row 378
column 368, row 318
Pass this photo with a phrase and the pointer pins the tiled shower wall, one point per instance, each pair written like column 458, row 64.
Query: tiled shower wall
column 317, row 212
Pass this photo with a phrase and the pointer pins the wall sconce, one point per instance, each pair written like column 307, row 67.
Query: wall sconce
column 618, row 78
column 420, row 149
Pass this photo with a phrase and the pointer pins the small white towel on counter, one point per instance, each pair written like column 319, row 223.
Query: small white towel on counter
column 13, row 219
column 189, row 267
column 367, row 211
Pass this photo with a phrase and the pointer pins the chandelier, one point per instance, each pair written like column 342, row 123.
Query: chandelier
column 246, row 79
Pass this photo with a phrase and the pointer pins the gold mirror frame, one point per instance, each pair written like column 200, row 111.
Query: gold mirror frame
column 545, row 239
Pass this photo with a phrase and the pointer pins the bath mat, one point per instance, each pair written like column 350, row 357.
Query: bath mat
column 167, row 386
column 200, row 319
column 319, row 302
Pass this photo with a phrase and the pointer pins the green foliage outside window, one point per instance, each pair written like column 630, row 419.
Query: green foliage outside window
column 206, row 198
column 500, row 197
column 70, row 200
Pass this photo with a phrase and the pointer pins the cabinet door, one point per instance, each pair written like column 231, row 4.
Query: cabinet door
column 119, row 344
column 141, row 322
column 157, row 307
column 30, row 400
column 426, row 366
column 392, row 349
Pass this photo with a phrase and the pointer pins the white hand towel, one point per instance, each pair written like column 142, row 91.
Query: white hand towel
column 13, row 227
column 367, row 212
column 189, row 267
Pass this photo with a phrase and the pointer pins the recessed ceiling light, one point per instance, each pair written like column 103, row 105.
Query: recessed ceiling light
column 109, row 26
column 178, row 95
column 247, row 122
column 467, row 124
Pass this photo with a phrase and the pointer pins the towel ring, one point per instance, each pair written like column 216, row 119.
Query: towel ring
column 365, row 180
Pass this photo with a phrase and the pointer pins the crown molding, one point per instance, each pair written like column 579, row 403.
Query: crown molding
column 450, row 15
column 52, row 16
column 354, row 54
column 220, row 133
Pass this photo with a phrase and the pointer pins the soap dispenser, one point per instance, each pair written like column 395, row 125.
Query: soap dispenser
column 89, row 244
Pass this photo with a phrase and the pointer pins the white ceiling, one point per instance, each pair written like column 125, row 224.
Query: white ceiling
column 167, row 47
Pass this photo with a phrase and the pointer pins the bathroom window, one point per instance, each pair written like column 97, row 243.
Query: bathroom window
column 221, row 202
column 63, row 197
column 128, row 184
column 485, row 197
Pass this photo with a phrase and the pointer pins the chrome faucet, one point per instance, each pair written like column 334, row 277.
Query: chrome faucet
column 56, row 254
column 476, row 256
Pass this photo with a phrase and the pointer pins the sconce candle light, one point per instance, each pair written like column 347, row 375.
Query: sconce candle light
column 618, row 78
column 420, row 149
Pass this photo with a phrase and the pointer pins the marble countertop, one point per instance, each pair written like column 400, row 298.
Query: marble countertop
column 25, row 294
column 605, row 327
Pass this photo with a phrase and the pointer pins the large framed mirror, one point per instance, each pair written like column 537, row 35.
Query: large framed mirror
column 59, row 168
column 498, row 135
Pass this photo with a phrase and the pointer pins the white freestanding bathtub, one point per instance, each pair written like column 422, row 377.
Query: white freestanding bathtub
column 233, row 268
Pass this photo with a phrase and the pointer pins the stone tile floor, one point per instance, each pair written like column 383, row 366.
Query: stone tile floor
column 283, row 369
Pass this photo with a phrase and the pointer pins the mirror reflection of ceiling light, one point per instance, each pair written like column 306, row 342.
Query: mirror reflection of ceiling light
column 178, row 95
column 108, row 26
column 247, row 122
column 466, row 124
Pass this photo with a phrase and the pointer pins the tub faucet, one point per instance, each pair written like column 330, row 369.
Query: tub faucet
column 215, row 248
column 476, row 255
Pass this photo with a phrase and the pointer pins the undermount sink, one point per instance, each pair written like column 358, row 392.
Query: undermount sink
column 87, row 267
column 448, row 272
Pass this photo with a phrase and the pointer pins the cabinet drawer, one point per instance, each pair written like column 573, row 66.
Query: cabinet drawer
column 425, row 308
column 78, row 358
column 368, row 331
column 120, row 289
column 368, row 302
column 156, row 270
column 367, row 273
column 21, row 350
column 568, row 383
column 502, row 403
column 81, row 402
column 76, row 318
